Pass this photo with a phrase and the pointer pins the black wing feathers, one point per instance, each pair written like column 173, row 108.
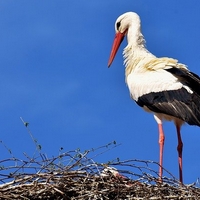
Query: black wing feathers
column 186, row 77
column 178, row 103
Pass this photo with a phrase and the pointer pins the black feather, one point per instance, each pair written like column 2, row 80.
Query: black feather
column 177, row 103
column 186, row 77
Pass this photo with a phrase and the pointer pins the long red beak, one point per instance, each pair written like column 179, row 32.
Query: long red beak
column 117, row 41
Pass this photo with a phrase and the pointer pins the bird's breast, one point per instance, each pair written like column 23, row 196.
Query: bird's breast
column 141, row 83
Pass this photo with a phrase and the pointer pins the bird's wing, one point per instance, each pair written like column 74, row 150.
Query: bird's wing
column 182, row 103
column 163, row 63
column 186, row 77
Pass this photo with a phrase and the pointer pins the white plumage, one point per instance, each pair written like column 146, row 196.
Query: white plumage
column 140, row 83
column 159, row 85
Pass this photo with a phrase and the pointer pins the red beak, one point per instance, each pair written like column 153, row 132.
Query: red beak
column 117, row 41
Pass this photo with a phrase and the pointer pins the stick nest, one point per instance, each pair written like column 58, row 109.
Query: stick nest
column 75, row 175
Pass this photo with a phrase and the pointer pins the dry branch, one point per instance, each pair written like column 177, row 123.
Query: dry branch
column 75, row 175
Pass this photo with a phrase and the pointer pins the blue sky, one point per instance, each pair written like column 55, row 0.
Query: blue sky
column 54, row 74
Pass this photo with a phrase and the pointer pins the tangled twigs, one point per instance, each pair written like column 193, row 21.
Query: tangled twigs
column 75, row 175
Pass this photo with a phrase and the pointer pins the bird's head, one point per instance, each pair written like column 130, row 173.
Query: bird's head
column 122, row 26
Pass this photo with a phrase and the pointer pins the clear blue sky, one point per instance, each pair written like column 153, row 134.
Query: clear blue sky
column 54, row 74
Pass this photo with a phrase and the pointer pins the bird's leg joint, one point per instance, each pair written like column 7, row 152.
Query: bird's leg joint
column 161, row 135
column 180, row 146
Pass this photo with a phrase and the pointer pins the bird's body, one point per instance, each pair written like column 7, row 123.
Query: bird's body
column 158, row 88
column 159, row 85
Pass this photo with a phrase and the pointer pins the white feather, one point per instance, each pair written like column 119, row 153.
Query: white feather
column 152, row 81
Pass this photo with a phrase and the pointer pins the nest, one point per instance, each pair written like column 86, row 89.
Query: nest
column 75, row 175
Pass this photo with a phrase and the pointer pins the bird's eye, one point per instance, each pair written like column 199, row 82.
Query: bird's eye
column 118, row 25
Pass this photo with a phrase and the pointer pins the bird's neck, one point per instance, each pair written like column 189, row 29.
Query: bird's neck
column 135, row 37
column 135, row 57
column 135, row 53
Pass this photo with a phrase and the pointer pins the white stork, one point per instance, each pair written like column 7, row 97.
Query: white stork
column 159, row 85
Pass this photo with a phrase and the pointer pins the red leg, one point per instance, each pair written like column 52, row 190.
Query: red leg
column 161, row 144
column 180, row 149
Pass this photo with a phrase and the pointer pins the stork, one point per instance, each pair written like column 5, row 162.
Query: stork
column 162, row 86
